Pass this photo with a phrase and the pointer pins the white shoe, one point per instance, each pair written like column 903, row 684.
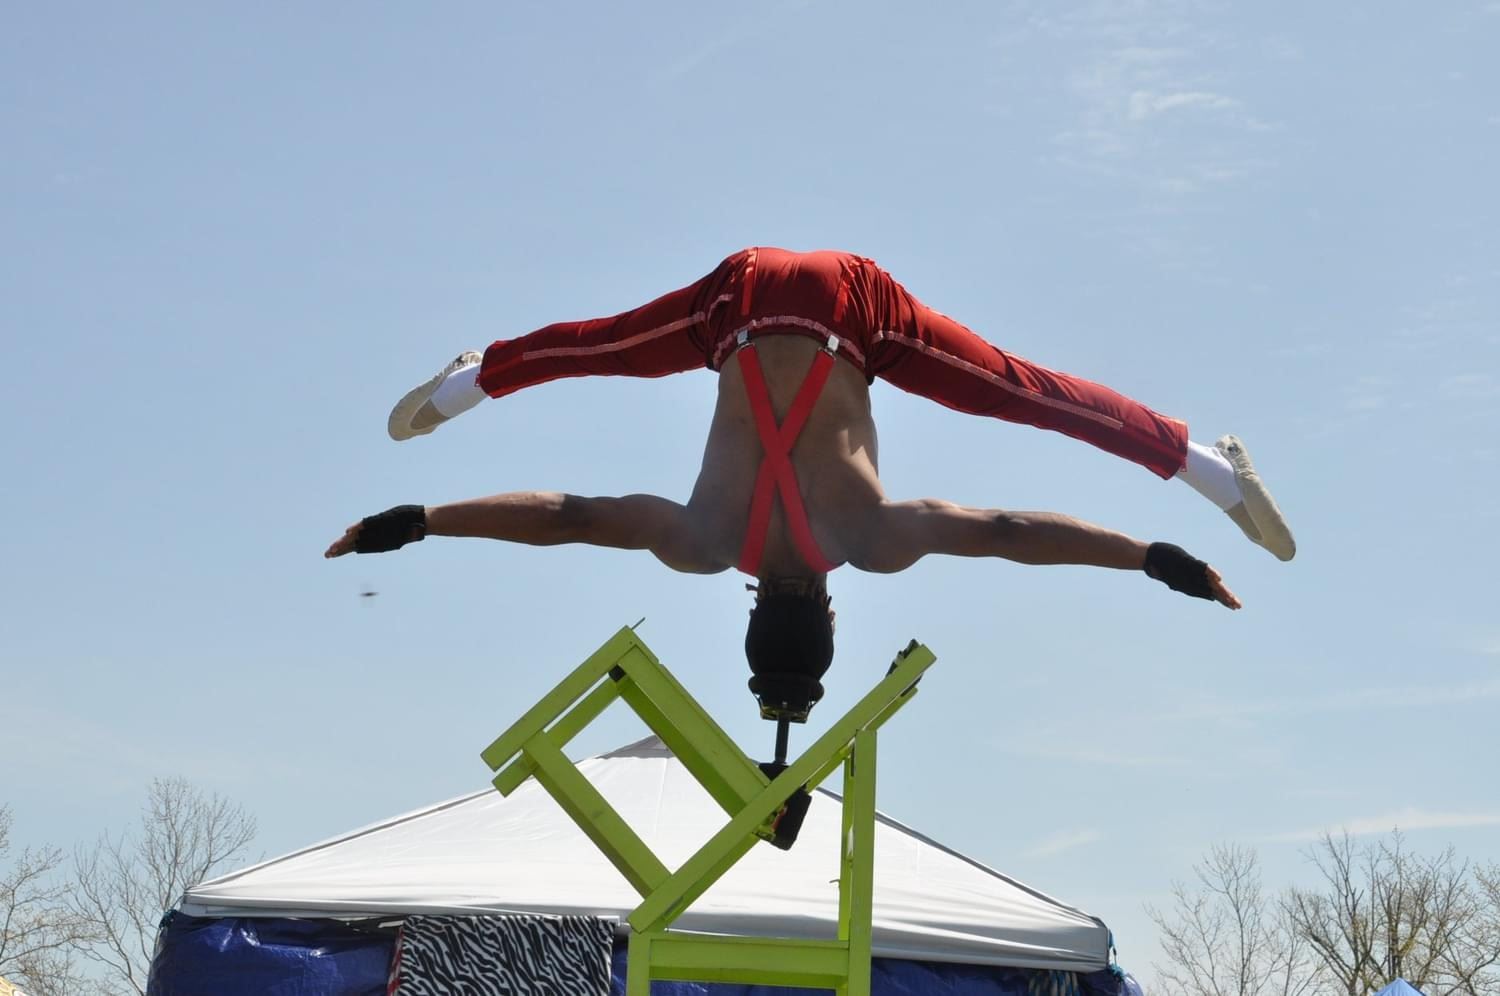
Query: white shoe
column 413, row 414
column 1256, row 514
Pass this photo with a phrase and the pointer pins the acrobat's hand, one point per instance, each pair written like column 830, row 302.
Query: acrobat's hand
column 390, row 530
column 1181, row 571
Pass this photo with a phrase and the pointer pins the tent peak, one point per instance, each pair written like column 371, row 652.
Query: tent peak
column 651, row 746
column 1400, row 987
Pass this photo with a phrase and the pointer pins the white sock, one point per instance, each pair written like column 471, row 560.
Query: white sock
column 458, row 392
column 1209, row 473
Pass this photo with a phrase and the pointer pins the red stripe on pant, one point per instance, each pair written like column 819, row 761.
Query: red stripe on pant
column 664, row 337
column 905, row 342
column 927, row 353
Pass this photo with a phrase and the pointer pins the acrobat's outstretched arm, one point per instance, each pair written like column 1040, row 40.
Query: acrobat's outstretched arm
column 907, row 531
column 540, row 518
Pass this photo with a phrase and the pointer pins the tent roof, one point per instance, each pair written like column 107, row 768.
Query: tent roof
column 1400, row 987
column 488, row 853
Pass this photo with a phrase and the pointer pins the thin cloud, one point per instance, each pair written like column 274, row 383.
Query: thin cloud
column 1304, row 349
column 1111, row 759
column 1150, row 94
column 131, row 765
column 1402, row 819
column 1141, row 55
column 1468, row 386
column 738, row 33
column 1366, row 402
column 1282, row 49
column 1354, row 700
column 1145, row 104
column 1124, row 96
column 1064, row 841
column 1178, row 185
column 1367, row 394
column 1323, row 794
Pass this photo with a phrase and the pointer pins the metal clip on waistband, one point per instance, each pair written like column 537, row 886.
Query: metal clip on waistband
column 742, row 339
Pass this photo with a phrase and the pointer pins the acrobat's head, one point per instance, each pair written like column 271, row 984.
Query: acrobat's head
column 791, row 628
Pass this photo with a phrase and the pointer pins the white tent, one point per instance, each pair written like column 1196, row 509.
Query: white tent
column 484, row 853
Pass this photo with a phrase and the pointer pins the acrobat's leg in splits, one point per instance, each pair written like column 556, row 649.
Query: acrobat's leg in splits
column 897, row 339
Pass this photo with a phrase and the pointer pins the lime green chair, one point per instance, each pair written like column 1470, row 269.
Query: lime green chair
column 763, row 802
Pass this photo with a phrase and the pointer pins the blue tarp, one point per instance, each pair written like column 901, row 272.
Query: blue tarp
column 273, row 957
column 286, row 957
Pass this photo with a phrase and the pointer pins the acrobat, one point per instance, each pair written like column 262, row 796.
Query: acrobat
column 789, row 487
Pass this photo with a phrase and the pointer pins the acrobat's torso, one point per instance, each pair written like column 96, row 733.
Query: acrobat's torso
column 834, row 459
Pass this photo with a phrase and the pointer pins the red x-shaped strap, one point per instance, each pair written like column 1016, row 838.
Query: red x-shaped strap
column 776, row 472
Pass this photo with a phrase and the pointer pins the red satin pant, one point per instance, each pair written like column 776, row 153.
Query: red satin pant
column 881, row 328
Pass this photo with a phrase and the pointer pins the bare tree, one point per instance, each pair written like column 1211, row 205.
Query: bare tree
column 1224, row 938
column 1473, row 964
column 1385, row 913
column 125, row 885
column 37, row 928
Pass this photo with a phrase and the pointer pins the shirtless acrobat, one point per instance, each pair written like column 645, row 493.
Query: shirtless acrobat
column 797, row 338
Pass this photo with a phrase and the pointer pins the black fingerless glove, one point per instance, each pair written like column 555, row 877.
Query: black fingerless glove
column 391, row 529
column 1177, row 569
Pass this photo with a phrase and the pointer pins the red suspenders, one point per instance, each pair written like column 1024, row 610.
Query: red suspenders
column 776, row 471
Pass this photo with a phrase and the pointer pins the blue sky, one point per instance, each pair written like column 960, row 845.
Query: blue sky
column 232, row 237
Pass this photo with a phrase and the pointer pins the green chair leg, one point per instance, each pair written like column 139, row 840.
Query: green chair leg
column 625, row 669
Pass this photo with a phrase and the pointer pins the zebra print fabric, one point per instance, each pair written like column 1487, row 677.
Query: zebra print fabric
column 502, row 956
column 1053, row 983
